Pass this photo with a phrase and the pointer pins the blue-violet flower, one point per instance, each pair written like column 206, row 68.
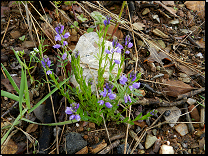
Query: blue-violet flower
column 123, row 80
column 136, row 85
column 107, row 104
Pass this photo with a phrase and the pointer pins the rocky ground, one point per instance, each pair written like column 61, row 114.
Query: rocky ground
column 170, row 41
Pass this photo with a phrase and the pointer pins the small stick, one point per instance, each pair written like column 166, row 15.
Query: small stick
column 117, row 137
column 109, row 147
column 10, row 109
column 6, row 29
column 191, row 93
column 190, row 125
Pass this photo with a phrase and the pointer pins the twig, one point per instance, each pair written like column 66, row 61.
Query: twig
column 117, row 137
column 109, row 147
column 191, row 93
column 10, row 109
column 6, row 29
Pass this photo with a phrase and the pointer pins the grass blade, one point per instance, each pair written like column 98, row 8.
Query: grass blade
column 22, row 87
column 14, row 123
column 51, row 124
column 9, row 95
column 10, row 79
column 27, row 98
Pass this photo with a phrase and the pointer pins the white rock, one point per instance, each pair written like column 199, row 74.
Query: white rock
column 165, row 149
column 199, row 55
column 88, row 49
column 150, row 140
column 191, row 101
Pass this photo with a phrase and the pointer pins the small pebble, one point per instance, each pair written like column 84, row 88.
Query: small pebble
column 191, row 101
column 165, row 149
column 138, row 129
column 184, row 145
column 154, row 131
column 182, row 129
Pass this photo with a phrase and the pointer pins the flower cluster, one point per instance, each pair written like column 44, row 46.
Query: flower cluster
column 72, row 110
column 123, row 79
column 107, row 21
column 61, row 36
column 33, row 53
column 128, row 43
column 46, row 62
column 107, row 92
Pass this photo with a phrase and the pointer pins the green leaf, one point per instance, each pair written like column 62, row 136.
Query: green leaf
column 42, row 100
column 27, row 97
column 138, row 117
column 51, row 124
column 90, row 30
column 22, row 88
column 22, row 38
column 10, row 79
column 9, row 95
column 14, row 123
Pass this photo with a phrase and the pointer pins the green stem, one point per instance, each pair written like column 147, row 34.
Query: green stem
column 117, row 24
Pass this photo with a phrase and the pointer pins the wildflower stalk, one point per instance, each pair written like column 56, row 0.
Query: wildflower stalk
column 117, row 24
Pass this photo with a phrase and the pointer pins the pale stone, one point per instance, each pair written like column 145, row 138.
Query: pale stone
column 88, row 49
column 150, row 140
column 182, row 129
column 165, row 149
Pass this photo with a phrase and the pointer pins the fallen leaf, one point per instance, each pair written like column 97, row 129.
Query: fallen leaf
column 198, row 6
column 201, row 43
column 8, row 86
column 168, row 3
column 187, row 70
column 176, row 88
column 11, row 147
column 28, row 44
column 160, row 33
column 77, row 8
column 4, row 10
column 139, row 25
column 31, row 128
column 118, row 32
column 158, row 57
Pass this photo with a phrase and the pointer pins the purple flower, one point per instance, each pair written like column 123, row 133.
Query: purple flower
column 123, row 80
column 76, row 54
column 77, row 117
column 59, row 29
column 71, row 117
column 131, row 88
column 65, row 43
column 125, row 99
column 136, row 85
column 66, row 35
column 77, row 106
column 118, row 50
column 127, row 52
column 115, row 42
column 57, row 46
column 64, row 56
column 120, row 46
column 49, row 72
column 127, row 40
column 46, row 61
column 69, row 110
column 104, row 93
column 58, row 37
column 112, row 96
column 129, row 98
column 133, row 76
column 107, row 104
column 130, row 45
column 107, row 51
column 117, row 61
column 108, row 87
column 107, row 21
column 101, row 102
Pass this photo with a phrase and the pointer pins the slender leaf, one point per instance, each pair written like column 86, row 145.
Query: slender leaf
column 22, row 87
column 14, row 123
column 51, row 124
column 11, row 96
column 27, row 98
column 10, row 79
column 138, row 117
column 41, row 101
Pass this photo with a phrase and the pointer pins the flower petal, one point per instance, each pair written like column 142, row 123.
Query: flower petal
column 57, row 46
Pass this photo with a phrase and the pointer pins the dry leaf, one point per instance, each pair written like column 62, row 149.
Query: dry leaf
column 139, row 25
column 77, row 8
column 177, row 88
column 201, row 43
column 187, row 70
column 11, row 147
column 8, row 86
column 198, row 6
column 168, row 3
column 31, row 128
column 118, row 32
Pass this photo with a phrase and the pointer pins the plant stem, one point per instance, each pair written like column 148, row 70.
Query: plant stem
column 117, row 24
